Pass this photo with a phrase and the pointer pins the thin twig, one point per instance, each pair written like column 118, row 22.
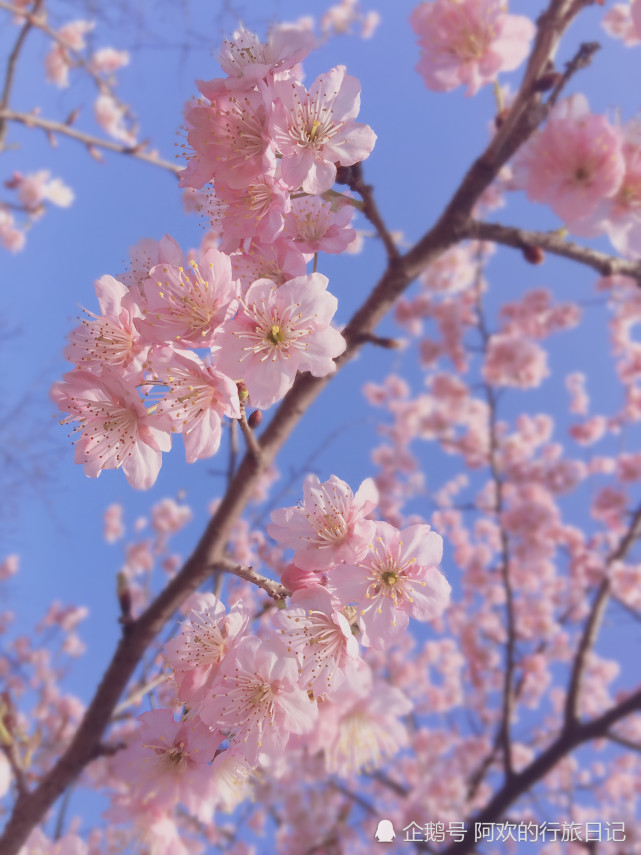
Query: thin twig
column 552, row 242
column 275, row 590
column 253, row 445
column 31, row 120
column 11, row 68
column 353, row 177
column 593, row 623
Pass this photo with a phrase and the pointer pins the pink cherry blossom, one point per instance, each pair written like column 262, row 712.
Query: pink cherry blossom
column 198, row 398
column 187, row 304
column 468, row 42
column 278, row 261
column 229, row 139
column 247, row 60
column 315, row 629
column 620, row 214
column 396, row 580
column 206, row 638
column 257, row 701
column 278, row 332
column 254, row 211
column 573, row 163
column 512, row 360
column 330, row 527
column 110, row 338
column 316, row 226
column 168, row 762
column 115, row 428
column 315, row 131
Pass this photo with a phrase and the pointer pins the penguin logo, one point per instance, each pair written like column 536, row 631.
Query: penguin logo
column 385, row 832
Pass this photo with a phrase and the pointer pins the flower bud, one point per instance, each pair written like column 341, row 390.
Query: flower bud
column 533, row 254
column 255, row 419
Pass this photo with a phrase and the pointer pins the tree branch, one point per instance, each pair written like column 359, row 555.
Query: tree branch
column 275, row 590
column 31, row 120
column 552, row 242
column 11, row 67
column 593, row 623
column 522, row 781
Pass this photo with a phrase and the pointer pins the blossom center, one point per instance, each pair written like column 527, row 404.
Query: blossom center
column 275, row 335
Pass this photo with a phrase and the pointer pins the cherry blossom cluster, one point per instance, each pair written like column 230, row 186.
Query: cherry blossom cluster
column 271, row 147
column 150, row 334
column 243, row 309
column 298, row 680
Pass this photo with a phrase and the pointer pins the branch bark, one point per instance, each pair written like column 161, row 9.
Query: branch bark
column 554, row 243
column 31, row 120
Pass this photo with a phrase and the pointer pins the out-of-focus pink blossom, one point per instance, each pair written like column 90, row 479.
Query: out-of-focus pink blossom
column 573, row 163
column 512, row 360
column 107, row 60
column 111, row 116
column 619, row 24
column 9, row 567
column 468, row 42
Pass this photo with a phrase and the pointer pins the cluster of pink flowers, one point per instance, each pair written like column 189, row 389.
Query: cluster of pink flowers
column 263, row 139
column 243, row 309
column 187, row 330
column 300, row 681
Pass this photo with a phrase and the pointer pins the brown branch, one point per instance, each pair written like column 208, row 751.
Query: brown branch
column 552, row 242
column 522, row 781
column 41, row 24
column 353, row 177
column 621, row 740
column 11, row 68
column 593, row 623
column 450, row 228
column 253, row 445
column 275, row 590
column 503, row 737
column 31, row 120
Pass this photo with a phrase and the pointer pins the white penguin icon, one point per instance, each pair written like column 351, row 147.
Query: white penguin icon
column 385, row 832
